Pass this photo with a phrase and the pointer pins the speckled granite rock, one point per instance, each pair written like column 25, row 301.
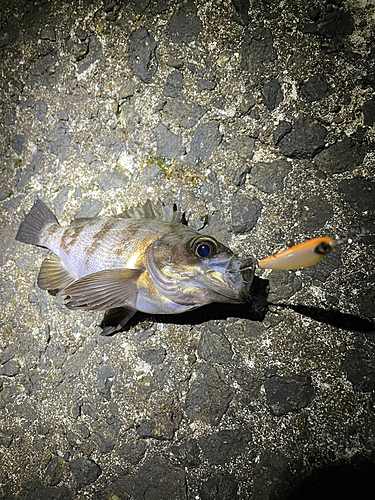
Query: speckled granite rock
column 256, row 119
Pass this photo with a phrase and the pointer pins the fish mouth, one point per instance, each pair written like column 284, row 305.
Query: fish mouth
column 236, row 279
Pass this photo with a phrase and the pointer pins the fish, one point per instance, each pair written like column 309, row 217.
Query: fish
column 303, row 255
column 144, row 259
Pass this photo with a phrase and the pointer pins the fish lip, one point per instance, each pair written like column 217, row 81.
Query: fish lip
column 246, row 269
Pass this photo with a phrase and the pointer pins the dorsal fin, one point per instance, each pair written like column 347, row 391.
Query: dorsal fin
column 150, row 210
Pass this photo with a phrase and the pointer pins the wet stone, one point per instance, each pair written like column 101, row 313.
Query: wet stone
column 305, row 139
column 60, row 200
column 272, row 94
column 154, row 355
column 242, row 10
column 369, row 112
column 132, row 452
column 169, row 144
column 35, row 490
column 174, row 85
column 239, row 176
column 48, row 33
column 95, row 52
column 245, row 213
column 323, row 269
column 175, row 62
column 105, row 438
column 208, row 396
column 10, row 368
column 282, row 129
column 8, row 35
column 283, row 285
column 6, row 438
column 142, row 60
column 206, row 139
column 359, row 193
column 219, row 487
column 105, row 374
column 111, row 179
column 269, row 177
column 244, row 146
column 257, row 50
column 183, row 114
column 41, row 110
column 255, row 113
column 8, row 353
column 77, row 49
column 159, row 479
column 360, row 370
column 316, row 88
column 185, row 24
column 33, row 168
column 126, row 89
column 204, row 84
column 89, row 208
column 217, row 228
column 160, row 427
column 342, row 156
column 139, row 6
column 151, row 175
column 247, row 103
column 221, row 447
column 213, row 346
column 55, row 471
column 187, row 453
column 218, row 102
column 18, row 142
column 59, row 141
column 158, row 6
column 335, row 24
column 63, row 114
column 4, row 193
column 314, row 212
column 85, row 471
column 10, row 119
column 288, row 393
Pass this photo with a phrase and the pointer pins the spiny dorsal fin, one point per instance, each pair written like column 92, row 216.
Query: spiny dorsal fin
column 53, row 275
column 103, row 290
column 150, row 210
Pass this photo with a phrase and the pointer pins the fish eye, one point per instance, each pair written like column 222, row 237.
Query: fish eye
column 203, row 246
column 323, row 248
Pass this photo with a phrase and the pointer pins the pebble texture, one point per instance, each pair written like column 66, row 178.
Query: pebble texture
column 257, row 120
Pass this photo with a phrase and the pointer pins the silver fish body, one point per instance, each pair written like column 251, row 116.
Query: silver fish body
column 143, row 259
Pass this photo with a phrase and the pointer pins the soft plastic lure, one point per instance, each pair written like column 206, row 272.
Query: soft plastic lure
column 304, row 255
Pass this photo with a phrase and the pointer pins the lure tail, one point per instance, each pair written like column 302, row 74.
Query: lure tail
column 36, row 221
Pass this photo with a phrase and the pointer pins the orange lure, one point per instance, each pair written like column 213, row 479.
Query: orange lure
column 304, row 255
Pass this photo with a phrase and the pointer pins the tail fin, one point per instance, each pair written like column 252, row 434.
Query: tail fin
column 32, row 228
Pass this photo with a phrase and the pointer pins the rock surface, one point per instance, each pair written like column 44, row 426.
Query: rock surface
column 257, row 120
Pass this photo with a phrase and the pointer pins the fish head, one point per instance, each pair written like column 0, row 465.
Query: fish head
column 194, row 269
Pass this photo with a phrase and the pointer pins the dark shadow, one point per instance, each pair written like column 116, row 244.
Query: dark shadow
column 343, row 481
column 255, row 309
column 332, row 317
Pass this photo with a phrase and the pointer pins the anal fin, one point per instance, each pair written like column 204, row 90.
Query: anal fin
column 53, row 275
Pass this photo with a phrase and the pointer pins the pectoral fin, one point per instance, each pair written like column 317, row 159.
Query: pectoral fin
column 104, row 290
